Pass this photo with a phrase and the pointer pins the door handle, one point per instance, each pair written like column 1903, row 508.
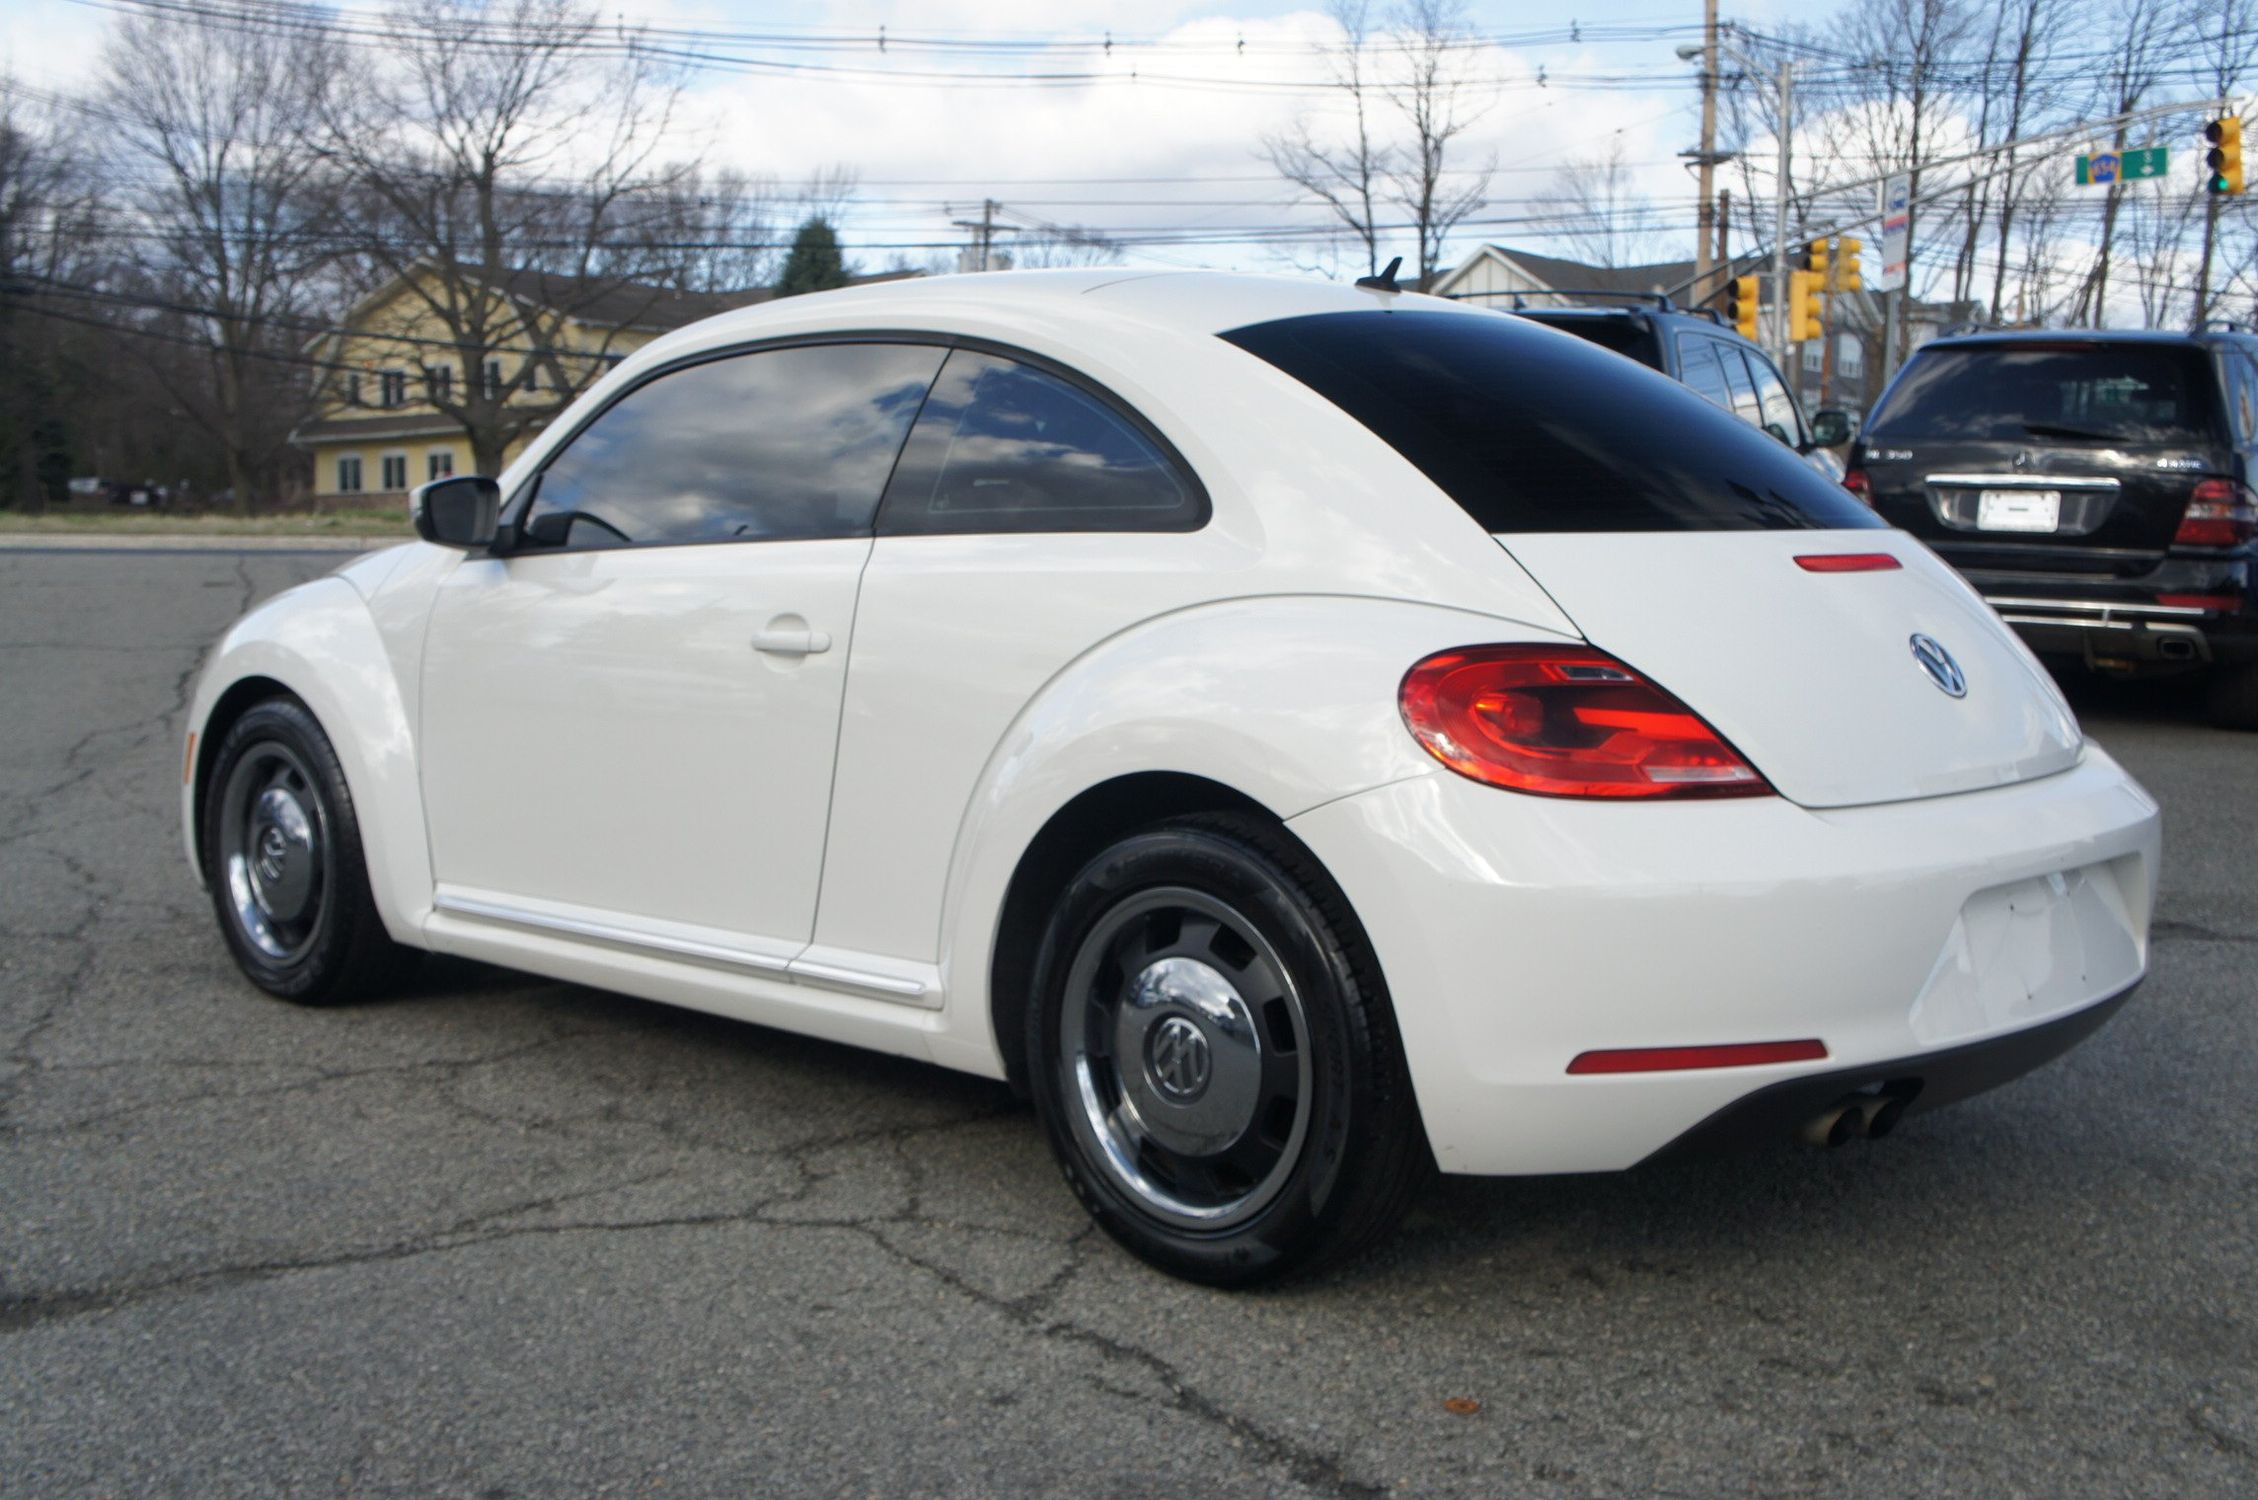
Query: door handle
column 791, row 641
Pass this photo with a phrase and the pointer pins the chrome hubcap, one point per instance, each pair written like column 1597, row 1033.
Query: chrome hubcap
column 1185, row 1045
column 273, row 858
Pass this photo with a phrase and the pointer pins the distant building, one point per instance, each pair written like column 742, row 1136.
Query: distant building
column 377, row 433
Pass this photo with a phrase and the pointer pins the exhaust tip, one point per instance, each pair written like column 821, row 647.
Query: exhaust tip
column 1834, row 1125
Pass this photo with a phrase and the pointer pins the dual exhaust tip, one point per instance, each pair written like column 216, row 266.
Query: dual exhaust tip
column 1868, row 1116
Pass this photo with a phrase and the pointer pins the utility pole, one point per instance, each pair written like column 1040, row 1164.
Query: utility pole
column 984, row 228
column 1780, row 212
column 1724, row 227
column 1706, row 160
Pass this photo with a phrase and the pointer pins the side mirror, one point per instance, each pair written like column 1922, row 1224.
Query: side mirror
column 1829, row 428
column 457, row 512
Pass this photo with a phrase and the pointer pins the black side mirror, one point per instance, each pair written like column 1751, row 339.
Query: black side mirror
column 457, row 512
column 1829, row 428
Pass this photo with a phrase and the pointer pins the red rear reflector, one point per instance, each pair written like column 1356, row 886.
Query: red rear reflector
column 2201, row 601
column 1566, row 721
column 1847, row 562
column 2219, row 514
column 1677, row 1059
column 1855, row 481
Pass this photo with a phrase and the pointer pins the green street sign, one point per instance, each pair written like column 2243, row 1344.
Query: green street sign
column 2104, row 167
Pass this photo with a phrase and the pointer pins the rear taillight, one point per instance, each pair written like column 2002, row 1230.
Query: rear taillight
column 1566, row 721
column 1855, row 481
column 2219, row 514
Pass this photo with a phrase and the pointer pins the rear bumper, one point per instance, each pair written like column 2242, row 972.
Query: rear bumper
column 1924, row 1082
column 1519, row 932
column 2135, row 634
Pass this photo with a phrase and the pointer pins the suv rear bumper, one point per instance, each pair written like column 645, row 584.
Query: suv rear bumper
column 2134, row 634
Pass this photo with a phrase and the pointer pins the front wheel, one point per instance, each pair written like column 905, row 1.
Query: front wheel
column 1214, row 1058
column 282, row 857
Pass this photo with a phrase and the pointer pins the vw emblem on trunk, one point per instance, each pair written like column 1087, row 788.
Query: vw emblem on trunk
column 1938, row 663
column 1178, row 1059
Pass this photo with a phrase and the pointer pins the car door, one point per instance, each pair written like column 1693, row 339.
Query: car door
column 629, row 723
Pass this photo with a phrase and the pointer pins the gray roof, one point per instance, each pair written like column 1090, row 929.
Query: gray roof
column 1656, row 276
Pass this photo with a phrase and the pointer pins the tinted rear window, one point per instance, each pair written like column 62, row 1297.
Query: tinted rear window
column 1529, row 431
column 1625, row 336
column 2122, row 393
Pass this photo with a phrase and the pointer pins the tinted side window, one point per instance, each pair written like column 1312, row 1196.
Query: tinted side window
column 773, row 445
column 1003, row 446
column 1531, row 433
column 1773, row 401
column 1744, row 389
column 1697, row 367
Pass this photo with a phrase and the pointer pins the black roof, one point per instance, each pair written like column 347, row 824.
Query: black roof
column 2083, row 336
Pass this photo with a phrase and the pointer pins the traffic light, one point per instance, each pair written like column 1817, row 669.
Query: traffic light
column 1815, row 260
column 1740, row 305
column 1847, row 277
column 2225, row 156
column 1807, row 304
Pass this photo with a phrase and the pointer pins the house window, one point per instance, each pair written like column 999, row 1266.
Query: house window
column 353, row 389
column 439, row 380
column 493, row 380
column 349, row 474
column 1814, row 356
column 392, row 388
column 439, row 463
column 395, row 471
column 1850, row 357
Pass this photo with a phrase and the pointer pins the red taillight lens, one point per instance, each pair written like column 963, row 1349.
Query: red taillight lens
column 1676, row 1059
column 1855, row 481
column 1566, row 721
column 2219, row 514
column 1847, row 562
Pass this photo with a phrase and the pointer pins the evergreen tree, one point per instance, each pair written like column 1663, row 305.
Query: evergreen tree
column 815, row 264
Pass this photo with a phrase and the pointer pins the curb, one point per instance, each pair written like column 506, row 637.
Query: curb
column 57, row 541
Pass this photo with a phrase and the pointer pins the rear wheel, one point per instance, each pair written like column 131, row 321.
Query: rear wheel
column 282, row 858
column 1214, row 1058
column 2234, row 696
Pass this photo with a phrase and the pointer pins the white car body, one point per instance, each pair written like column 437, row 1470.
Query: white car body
column 577, row 764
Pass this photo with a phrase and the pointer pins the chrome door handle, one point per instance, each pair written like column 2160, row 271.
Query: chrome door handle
column 791, row 642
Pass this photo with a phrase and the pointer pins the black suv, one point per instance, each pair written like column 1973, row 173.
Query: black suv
column 1698, row 349
column 2095, row 487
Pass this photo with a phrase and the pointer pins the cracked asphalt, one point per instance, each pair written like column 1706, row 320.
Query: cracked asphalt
column 500, row 1237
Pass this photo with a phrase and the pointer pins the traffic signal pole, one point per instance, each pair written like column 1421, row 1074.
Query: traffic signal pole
column 1780, row 213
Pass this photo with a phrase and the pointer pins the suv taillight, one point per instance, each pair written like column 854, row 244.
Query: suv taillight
column 1566, row 721
column 2219, row 514
column 1855, row 481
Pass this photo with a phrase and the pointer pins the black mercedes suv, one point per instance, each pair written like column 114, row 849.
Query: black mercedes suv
column 2095, row 487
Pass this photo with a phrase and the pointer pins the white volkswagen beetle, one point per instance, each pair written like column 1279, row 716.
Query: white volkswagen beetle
column 1301, row 735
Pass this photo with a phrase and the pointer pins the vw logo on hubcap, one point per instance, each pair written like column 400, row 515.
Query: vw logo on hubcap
column 1938, row 663
column 1177, row 1059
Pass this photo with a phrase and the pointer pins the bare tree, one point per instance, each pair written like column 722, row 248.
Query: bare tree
column 506, row 163
column 1432, row 95
column 1346, row 174
column 1602, row 215
column 44, row 228
column 1044, row 246
column 210, row 133
column 2142, row 37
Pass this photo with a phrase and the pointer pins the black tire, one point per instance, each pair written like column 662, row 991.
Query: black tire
column 2234, row 696
column 1298, row 1184
column 282, row 859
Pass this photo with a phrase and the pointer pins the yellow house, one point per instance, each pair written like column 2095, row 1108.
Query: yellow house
column 407, row 354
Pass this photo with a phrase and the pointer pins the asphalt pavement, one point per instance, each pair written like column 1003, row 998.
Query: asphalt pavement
column 499, row 1237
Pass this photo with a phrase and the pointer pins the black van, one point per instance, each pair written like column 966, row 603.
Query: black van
column 2094, row 486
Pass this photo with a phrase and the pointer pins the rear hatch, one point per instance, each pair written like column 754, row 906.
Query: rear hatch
column 2062, row 458
column 1671, row 533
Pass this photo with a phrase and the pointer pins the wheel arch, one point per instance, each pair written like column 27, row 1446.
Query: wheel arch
column 1077, row 831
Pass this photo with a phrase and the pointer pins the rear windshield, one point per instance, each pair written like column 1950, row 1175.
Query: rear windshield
column 2013, row 393
column 1626, row 336
column 1529, row 431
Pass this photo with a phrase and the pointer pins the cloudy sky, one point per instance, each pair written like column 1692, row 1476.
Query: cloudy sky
column 1162, row 151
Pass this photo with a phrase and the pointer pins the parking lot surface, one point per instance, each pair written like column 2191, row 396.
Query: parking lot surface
column 501, row 1237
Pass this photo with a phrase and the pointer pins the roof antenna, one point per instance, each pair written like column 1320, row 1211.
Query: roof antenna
column 1386, row 280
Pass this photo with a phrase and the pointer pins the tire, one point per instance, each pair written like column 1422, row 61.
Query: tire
column 2234, row 696
column 282, row 859
column 1214, row 1058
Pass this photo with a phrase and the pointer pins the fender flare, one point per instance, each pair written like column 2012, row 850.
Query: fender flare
column 320, row 643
